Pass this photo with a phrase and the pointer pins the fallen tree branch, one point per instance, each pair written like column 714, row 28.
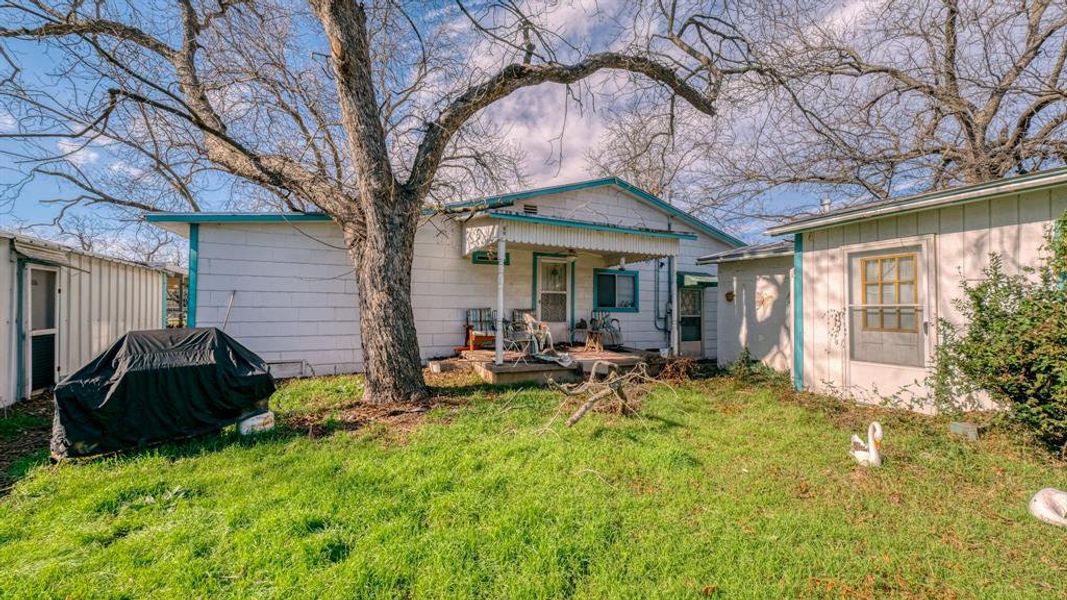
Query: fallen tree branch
column 626, row 388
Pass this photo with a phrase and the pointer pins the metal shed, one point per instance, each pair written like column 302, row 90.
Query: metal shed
column 59, row 307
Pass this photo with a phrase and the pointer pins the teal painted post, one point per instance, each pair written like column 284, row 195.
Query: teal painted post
column 194, row 264
column 798, row 311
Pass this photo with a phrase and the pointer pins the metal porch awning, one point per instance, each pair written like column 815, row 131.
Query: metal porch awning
column 551, row 232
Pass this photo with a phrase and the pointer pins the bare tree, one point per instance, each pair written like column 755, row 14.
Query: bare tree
column 364, row 111
column 870, row 98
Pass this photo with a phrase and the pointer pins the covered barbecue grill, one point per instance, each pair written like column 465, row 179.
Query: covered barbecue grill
column 154, row 386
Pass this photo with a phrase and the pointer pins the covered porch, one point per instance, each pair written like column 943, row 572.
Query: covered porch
column 577, row 270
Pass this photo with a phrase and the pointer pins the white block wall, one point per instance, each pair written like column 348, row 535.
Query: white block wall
column 295, row 289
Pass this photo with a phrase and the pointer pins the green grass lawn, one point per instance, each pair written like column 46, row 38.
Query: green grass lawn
column 722, row 490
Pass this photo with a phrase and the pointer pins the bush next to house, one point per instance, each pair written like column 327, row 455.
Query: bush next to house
column 1013, row 345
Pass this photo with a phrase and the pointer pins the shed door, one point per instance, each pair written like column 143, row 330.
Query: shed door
column 42, row 319
column 691, row 321
column 889, row 322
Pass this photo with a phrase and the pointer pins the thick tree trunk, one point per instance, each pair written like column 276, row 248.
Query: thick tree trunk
column 382, row 250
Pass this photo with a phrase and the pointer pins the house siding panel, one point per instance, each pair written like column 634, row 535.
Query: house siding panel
column 760, row 316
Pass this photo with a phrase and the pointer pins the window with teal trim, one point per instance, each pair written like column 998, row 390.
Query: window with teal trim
column 615, row 290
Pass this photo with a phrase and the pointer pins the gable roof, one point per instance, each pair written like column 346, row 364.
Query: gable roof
column 504, row 200
column 178, row 222
column 896, row 206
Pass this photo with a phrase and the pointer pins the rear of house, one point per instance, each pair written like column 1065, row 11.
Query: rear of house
column 61, row 307
column 283, row 284
column 870, row 283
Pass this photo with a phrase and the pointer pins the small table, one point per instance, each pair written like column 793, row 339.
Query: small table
column 594, row 341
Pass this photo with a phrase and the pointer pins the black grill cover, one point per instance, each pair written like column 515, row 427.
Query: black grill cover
column 153, row 386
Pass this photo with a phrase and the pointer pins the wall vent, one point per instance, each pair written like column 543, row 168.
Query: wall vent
column 529, row 209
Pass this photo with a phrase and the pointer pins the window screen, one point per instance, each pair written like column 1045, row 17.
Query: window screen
column 42, row 299
column 886, row 307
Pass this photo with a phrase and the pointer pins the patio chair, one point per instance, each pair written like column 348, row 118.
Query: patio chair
column 539, row 332
column 517, row 339
column 480, row 328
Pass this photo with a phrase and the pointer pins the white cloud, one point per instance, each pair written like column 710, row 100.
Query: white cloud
column 77, row 152
column 7, row 121
column 554, row 133
column 125, row 168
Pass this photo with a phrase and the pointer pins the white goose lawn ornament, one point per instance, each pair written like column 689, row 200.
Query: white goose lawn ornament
column 1050, row 505
column 869, row 454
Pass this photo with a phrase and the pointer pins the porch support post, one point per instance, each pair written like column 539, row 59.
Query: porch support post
column 675, row 321
column 501, row 255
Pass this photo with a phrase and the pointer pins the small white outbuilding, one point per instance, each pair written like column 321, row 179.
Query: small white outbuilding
column 868, row 286
column 59, row 307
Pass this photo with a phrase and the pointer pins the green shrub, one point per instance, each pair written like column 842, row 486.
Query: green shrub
column 1014, row 343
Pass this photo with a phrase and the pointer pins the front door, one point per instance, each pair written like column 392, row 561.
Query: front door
column 691, row 321
column 553, row 297
column 890, row 312
column 43, row 330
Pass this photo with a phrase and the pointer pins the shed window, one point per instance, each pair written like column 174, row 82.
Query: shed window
column 886, row 308
column 889, row 283
column 615, row 290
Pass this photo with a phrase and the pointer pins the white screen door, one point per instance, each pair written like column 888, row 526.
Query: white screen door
column 889, row 318
column 553, row 305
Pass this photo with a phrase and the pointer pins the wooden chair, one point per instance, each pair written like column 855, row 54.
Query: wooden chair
column 480, row 328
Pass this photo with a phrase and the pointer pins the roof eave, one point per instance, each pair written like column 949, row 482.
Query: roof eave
column 963, row 195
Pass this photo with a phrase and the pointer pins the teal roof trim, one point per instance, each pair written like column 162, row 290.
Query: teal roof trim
column 590, row 226
column 489, row 202
column 510, row 199
column 208, row 217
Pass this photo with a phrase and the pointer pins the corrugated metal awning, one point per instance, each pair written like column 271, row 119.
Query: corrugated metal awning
column 41, row 254
column 484, row 230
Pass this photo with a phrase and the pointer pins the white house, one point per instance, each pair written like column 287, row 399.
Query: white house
column 871, row 282
column 60, row 307
column 283, row 285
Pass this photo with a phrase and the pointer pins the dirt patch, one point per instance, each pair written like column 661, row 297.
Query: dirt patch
column 26, row 428
column 397, row 418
